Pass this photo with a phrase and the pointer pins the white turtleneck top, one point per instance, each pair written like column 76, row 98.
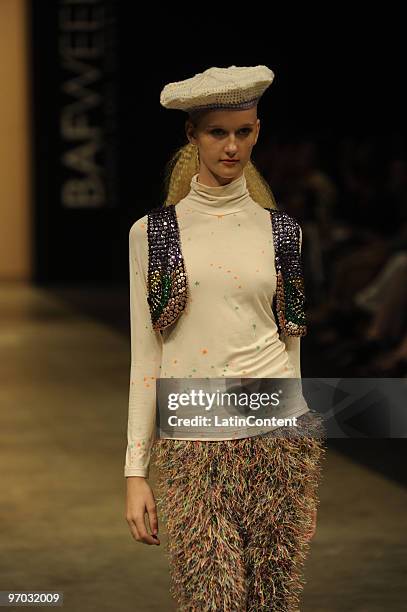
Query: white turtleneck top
column 228, row 326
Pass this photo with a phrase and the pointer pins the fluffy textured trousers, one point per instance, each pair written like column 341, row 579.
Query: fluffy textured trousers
column 237, row 514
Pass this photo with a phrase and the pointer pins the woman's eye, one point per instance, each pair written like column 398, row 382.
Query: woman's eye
column 218, row 130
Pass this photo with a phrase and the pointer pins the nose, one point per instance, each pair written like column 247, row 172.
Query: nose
column 231, row 148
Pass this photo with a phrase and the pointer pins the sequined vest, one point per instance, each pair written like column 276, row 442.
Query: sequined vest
column 168, row 283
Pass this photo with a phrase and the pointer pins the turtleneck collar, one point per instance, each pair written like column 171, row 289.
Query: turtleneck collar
column 221, row 200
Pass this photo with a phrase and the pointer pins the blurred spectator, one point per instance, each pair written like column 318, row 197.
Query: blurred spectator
column 353, row 212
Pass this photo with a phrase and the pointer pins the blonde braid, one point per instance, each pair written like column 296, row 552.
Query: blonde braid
column 179, row 172
column 259, row 189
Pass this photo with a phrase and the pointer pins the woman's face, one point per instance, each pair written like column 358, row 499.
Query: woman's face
column 223, row 135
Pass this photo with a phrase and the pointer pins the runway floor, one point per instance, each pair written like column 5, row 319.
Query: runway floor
column 64, row 390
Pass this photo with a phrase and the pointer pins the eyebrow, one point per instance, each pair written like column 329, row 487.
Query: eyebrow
column 216, row 125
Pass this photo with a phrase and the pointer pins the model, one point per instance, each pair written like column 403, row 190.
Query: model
column 216, row 290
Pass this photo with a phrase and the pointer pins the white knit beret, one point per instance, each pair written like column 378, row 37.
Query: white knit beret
column 236, row 87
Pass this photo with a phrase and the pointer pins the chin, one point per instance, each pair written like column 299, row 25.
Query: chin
column 232, row 173
column 228, row 171
column 223, row 173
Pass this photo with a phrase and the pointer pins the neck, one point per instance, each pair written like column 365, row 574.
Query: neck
column 218, row 199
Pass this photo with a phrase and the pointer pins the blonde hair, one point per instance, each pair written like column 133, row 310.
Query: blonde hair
column 184, row 164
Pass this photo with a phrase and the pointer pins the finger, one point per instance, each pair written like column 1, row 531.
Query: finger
column 153, row 524
column 153, row 519
column 137, row 536
column 141, row 528
column 134, row 530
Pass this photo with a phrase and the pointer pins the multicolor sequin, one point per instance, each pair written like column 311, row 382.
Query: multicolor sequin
column 168, row 282
column 167, row 279
column 289, row 301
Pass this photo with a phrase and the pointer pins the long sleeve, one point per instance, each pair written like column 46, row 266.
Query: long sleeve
column 146, row 354
column 293, row 343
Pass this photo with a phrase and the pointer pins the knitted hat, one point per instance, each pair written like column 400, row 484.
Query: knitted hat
column 236, row 87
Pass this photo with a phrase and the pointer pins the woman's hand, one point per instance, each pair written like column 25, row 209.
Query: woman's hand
column 140, row 499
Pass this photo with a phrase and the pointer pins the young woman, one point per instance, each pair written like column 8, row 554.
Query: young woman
column 239, row 511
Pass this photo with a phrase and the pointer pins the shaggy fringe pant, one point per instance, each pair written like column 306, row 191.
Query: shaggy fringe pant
column 237, row 513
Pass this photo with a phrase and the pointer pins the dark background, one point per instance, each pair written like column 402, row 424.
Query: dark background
column 336, row 74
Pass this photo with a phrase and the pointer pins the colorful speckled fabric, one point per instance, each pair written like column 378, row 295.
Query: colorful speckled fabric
column 168, row 282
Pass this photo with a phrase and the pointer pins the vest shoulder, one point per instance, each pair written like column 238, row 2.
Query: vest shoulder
column 161, row 210
column 139, row 230
column 282, row 214
column 285, row 222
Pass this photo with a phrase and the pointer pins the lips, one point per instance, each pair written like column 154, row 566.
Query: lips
column 229, row 161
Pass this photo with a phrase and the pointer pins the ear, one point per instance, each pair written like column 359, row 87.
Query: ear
column 189, row 130
column 258, row 130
